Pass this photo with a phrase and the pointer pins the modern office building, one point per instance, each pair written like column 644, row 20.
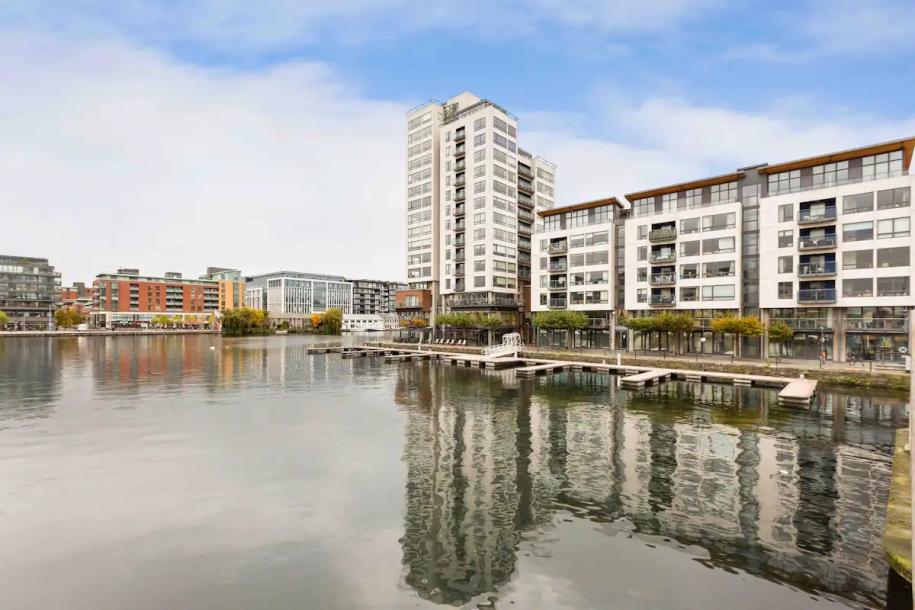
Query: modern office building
column 231, row 286
column 471, row 197
column 374, row 296
column 127, row 298
column 292, row 296
column 822, row 244
column 28, row 291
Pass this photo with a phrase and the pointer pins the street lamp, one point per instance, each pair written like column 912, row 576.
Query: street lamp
column 701, row 347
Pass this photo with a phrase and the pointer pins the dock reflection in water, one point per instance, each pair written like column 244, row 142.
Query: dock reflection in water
column 795, row 497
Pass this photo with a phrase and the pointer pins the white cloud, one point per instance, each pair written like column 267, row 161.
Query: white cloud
column 112, row 156
column 237, row 26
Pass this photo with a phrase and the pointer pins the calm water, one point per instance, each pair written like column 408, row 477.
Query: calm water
column 156, row 472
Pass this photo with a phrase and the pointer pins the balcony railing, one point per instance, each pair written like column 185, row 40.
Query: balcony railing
column 525, row 216
column 557, row 304
column 884, row 324
column 661, row 279
column 524, row 185
column 459, row 242
column 824, row 268
column 805, row 323
column 460, row 135
column 460, row 151
column 558, row 286
column 663, row 234
column 458, row 258
column 667, row 256
column 524, row 229
column 460, row 195
column 558, row 248
column 832, row 183
column 459, row 211
column 483, row 299
column 814, row 243
column 527, row 173
column 460, row 182
column 663, row 300
column 460, row 226
column 817, row 295
column 558, row 268
column 459, row 167
column 811, row 216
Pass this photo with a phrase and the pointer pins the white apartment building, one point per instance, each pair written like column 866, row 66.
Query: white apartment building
column 822, row 244
column 573, row 265
column 471, row 197
column 685, row 247
column 836, row 243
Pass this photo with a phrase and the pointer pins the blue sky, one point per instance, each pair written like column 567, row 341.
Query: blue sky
column 249, row 117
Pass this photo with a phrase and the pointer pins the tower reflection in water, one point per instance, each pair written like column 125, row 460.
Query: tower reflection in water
column 796, row 497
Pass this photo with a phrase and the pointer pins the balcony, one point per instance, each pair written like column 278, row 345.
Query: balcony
column 557, row 304
column 525, row 216
column 809, row 217
column 806, row 323
column 460, row 151
column 558, row 248
column 524, row 244
column 459, row 258
column 459, row 211
column 460, row 195
column 662, row 234
column 460, row 135
column 484, row 299
column 880, row 324
column 524, row 229
column 525, row 172
column 817, row 295
column 459, row 166
column 558, row 286
column 460, row 181
column 459, row 241
column 663, row 256
column 460, row 227
column 559, row 268
column 662, row 279
column 817, row 243
column 458, row 273
column 525, row 187
column 662, row 300
column 816, row 269
column 525, row 201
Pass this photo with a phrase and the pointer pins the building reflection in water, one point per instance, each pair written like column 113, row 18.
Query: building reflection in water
column 796, row 497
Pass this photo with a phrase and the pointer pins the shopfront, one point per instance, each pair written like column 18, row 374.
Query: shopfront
column 878, row 334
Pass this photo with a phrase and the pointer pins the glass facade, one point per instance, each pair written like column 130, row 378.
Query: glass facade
column 28, row 291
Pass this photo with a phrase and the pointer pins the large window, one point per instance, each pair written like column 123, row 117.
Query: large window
column 786, row 264
column 786, row 290
column 719, row 245
column 857, row 231
column 784, row 182
column 785, row 239
column 893, row 286
column 893, row 257
column 690, row 248
column 882, row 166
column 858, row 259
column 717, row 222
column 858, row 287
column 689, row 225
column 830, row 173
column 724, row 292
column 893, row 227
column 786, row 212
column 894, row 198
column 689, row 271
column 689, row 294
column 862, row 202
column 720, row 269
column 723, row 193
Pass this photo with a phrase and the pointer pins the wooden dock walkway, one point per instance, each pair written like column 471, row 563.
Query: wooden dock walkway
column 797, row 393
column 640, row 380
column 541, row 369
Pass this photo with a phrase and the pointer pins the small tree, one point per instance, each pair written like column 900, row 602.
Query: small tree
column 491, row 323
column 4, row 319
column 332, row 321
column 781, row 334
column 737, row 327
column 68, row 317
column 675, row 324
column 557, row 319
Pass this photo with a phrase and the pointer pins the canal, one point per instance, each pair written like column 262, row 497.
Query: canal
column 200, row 472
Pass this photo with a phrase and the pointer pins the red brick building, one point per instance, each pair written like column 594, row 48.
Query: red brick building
column 126, row 298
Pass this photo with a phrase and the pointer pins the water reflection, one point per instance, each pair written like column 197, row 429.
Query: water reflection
column 796, row 497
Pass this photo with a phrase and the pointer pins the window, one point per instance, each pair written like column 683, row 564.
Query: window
column 694, row 198
column 643, row 232
column 689, row 225
column 716, row 222
column 786, row 290
column 479, row 234
column 479, row 155
column 858, row 231
column 882, row 166
column 858, row 259
column 577, row 260
column 479, row 218
column 598, row 277
column 480, row 123
column 690, row 248
column 642, row 253
column 719, row 245
column 830, row 173
column 689, row 271
column 479, row 139
column 893, row 286
column 479, row 281
column 722, row 193
column 577, row 279
column 785, row 239
column 480, row 250
column 894, row 198
column 724, row 292
column 786, row 264
column 862, row 202
column 893, row 227
column 858, row 287
column 786, row 212
column 601, row 257
column 641, row 274
column 893, row 257
column 600, row 238
column 784, row 182
column 641, row 295
column 689, row 294
column 479, row 265
column 720, row 269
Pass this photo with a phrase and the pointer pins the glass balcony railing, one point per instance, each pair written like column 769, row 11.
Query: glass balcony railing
column 805, row 323
column 663, row 278
column 819, row 215
column 817, row 295
column 665, row 256
column 785, row 190
column 662, row 234
column 558, row 268
column 824, row 268
column 812, row 243
column 558, row 248
column 882, row 324
column 663, row 300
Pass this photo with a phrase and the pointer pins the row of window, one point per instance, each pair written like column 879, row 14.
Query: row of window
column 690, row 271
column 855, row 259
column 715, row 245
column 720, row 292
column 872, row 167
column 852, row 288
column 854, row 231
column 683, row 200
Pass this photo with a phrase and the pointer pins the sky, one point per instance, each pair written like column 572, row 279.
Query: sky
column 172, row 136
